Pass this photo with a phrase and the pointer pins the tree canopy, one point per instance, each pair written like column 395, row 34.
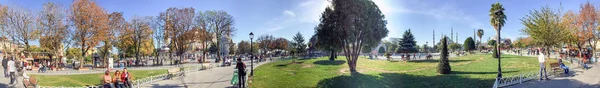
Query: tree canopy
column 407, row 43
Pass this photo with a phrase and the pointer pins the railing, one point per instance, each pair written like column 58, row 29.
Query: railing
column 139, row 82
column 516, row 79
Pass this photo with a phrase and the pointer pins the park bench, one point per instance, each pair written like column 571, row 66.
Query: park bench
column 556, row 70
column 173, row 72
column 31, row 83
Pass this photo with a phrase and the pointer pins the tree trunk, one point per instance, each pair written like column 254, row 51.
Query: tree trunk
column 332, row 55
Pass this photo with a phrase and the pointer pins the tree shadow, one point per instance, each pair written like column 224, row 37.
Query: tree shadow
column 401, row 80
column 166, row 86
column 555, row 83
column 328, row 62
column 436, row 61
column 463, row 72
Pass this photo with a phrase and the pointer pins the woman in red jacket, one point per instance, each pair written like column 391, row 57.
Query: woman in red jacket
column 125, row 77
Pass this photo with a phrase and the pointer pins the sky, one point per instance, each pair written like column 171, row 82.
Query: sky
column 285, row 18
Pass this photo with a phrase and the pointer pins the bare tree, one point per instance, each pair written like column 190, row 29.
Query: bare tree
column 158, row 32
column 4, row 32
column 221, row 24
column 22, row 22
column 53, row 25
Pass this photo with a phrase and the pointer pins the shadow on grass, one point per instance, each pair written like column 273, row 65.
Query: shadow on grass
column 328, row 62
column 286, row 64
column 436, row 61
column 462, row 72
column 398, row 80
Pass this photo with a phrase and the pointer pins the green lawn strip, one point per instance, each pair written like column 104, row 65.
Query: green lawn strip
column 89, row 79
column 471, row 71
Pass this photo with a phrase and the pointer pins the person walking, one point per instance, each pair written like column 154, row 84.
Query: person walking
column 12, row 69
column 542, row 60
column 241, row 73
column 4, row 61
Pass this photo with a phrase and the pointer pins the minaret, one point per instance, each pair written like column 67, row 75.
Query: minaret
column 451, row 33
column 433, row 37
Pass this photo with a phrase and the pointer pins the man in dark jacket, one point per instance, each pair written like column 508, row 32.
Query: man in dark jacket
column 241, row 72
column 4, row 61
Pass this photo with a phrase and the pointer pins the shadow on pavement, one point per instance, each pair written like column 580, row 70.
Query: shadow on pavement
column 3, row 85
column 462, row 72
column 400, row 80
column 436, row 61
column 166, row 86
column 555, row 83
column 328, row 62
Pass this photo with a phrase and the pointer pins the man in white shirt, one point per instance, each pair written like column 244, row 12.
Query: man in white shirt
column 12, row 69
column 542, row 60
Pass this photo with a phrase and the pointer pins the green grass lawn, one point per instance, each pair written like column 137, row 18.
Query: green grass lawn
column 473, row 71
column 88, row 79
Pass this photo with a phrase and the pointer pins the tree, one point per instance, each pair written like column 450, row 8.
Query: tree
column 407, row 43
column 140, row 33
column 91, row 21
column 469, row 44
column 299, row 44
column 21, row 21
column 480, row 34
column 204, row 35
column 426, row 48
column 543, row 26
column 454, row 46
column 243, row 47
column 588, row 22
column 444, row 65
column 53, row 26
column 265, row 42
column 492, row 43
column 312, row 45
column 327, row 40
column 576, row 35
column 221, row 24
column 178, row 28
column 353, row 27
column 4, row 31
column 497, row 20
column 280, row 43
column 381, row 50
column 158, row 35
column 392, row 45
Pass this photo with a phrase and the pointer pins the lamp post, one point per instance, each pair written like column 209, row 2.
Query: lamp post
column 251, row 55
column 498, row 13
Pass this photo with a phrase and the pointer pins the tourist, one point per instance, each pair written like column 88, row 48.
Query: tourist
column 12, row 68
column 107, row 80
column 125, row 77
column 241, row 73
column 542, row 60
column 563, row 66
column 4, row 61
column 117, row 80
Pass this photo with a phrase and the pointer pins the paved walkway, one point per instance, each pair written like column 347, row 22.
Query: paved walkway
column 4, row 82
column 578, row 78
column 218, row 77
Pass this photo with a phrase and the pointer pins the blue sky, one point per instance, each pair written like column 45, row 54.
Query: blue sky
column 284, row 18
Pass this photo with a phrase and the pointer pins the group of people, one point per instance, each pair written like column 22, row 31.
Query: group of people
column 10, row 69
column 542, row 60
column 119, row 80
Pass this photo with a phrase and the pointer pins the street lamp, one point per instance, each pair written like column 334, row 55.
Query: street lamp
column 251, row 55
column 499, row 13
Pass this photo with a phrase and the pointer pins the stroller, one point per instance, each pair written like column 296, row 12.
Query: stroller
column 235, row 80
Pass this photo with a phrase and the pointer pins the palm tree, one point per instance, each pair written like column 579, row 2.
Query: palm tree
column 497, row 19
column 479, row 34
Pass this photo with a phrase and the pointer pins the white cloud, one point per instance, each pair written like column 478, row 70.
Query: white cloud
column 308, row 11
column 289, row 13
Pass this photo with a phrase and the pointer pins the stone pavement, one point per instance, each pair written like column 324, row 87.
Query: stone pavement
column 578, row 78
column 217, row 77
column 4, row 82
